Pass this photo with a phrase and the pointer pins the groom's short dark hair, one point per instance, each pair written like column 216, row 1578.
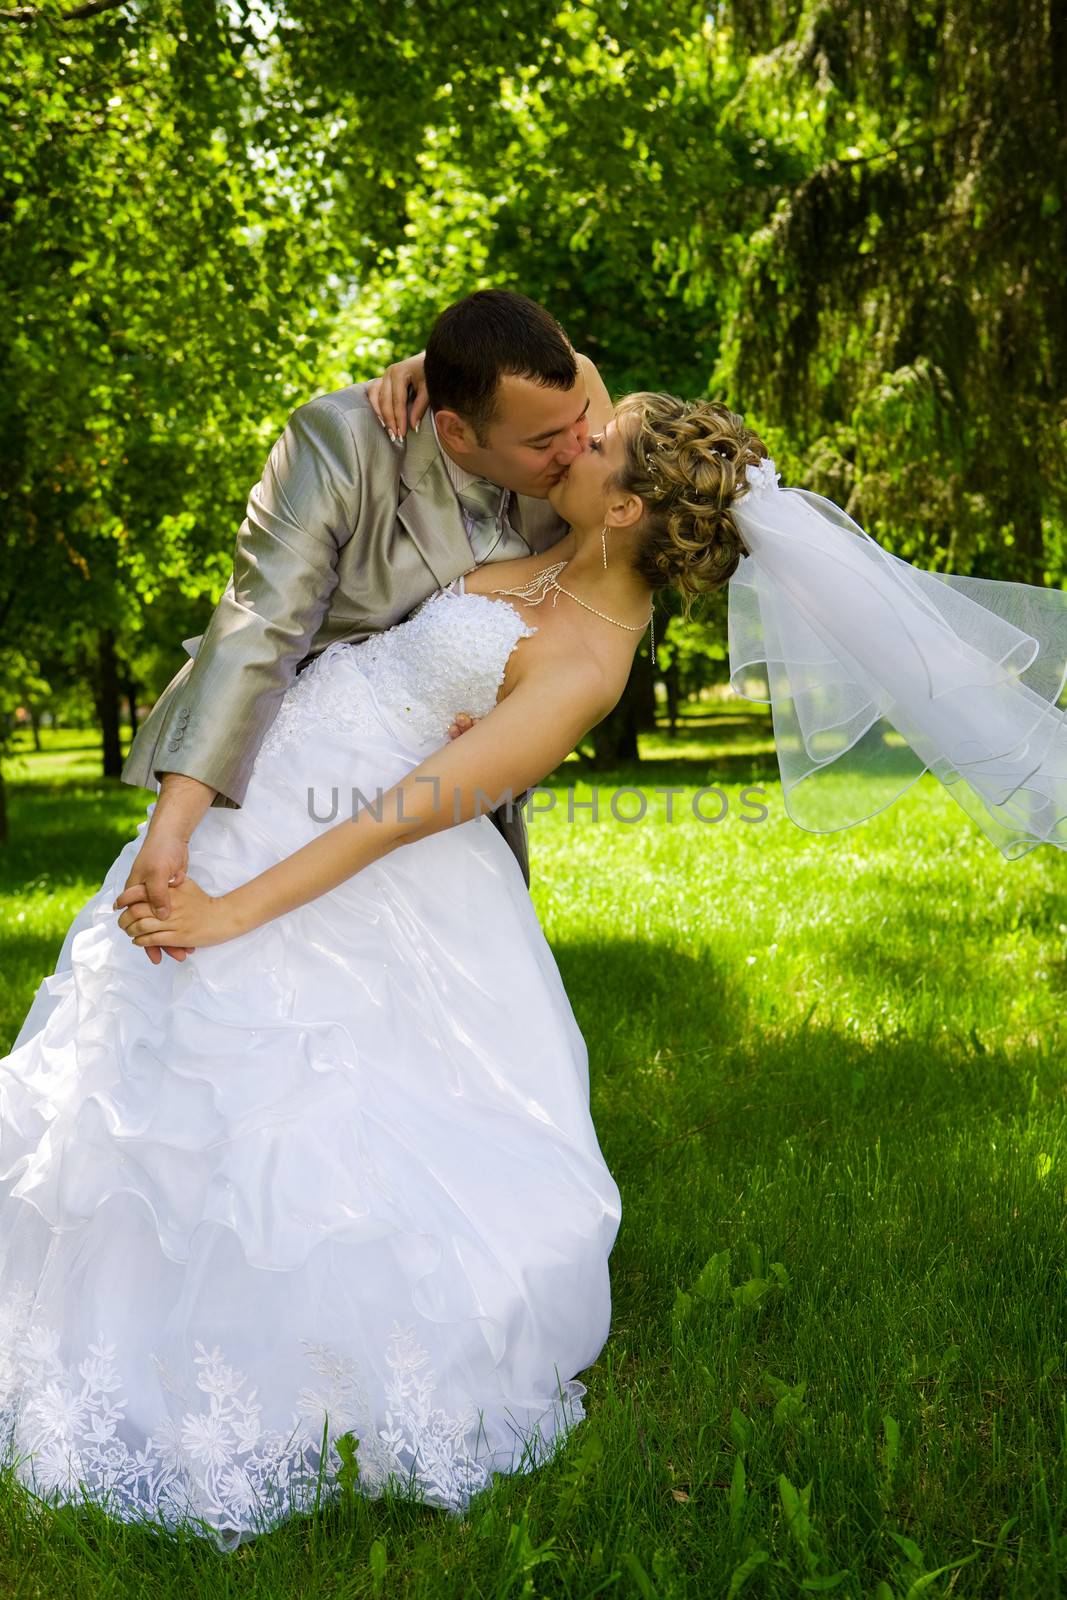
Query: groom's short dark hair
column 483, row 337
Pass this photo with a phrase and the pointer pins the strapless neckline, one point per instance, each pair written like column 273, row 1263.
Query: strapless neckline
column 464, row 593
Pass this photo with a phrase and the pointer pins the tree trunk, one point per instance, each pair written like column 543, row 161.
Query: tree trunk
column 35, row 724
column 670, row 678
column 129, row 689
column 107, row 702
column 3, row 807
column 643, row 677
column 614, row 740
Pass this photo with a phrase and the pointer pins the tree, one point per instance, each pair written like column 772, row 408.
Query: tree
column 847, row 224
column 159, row 310
column 900, row 310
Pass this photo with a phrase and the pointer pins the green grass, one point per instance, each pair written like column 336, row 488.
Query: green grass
column 827, row 1073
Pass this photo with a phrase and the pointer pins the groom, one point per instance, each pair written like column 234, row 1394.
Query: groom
column 346, row 532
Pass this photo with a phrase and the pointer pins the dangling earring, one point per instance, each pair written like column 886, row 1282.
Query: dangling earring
column 652, row 620
column 603, row 543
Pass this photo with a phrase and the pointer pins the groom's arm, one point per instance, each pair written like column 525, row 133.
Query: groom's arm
column 201, row 738
column 304, row 507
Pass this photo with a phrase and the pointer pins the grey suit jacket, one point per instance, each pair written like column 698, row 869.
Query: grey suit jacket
column 345, row 533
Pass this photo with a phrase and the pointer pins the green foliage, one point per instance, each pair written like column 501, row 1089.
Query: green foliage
column 900, row 315
column 158, row 304
column 845, row 222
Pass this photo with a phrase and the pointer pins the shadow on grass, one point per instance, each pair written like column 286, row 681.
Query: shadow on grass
column 651, row 990
column 70, row 741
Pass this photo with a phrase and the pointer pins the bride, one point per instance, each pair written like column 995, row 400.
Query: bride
column 340, row 1199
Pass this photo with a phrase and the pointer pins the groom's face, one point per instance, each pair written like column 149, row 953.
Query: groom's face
column 536, row 434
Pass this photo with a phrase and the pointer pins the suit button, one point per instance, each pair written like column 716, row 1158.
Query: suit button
column 174, row 744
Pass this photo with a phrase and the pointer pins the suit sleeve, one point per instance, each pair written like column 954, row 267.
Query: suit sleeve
column 210, row 720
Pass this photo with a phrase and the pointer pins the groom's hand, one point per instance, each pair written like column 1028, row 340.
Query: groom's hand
column 463, row 721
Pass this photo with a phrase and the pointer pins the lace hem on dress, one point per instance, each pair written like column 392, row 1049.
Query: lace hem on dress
column 214, row 1464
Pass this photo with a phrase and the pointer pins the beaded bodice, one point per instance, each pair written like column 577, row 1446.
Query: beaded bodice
column 448, row 656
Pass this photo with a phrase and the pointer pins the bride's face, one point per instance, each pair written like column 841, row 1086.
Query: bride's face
column 583, row 496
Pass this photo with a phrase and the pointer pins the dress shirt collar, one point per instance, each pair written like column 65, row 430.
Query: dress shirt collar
column 459, row 476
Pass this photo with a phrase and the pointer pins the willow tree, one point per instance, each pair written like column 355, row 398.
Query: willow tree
column 900, row 310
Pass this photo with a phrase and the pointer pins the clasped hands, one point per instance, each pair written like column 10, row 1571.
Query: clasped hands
column 193, row 917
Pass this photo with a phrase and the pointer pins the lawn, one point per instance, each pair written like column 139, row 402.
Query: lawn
column 827, row 1073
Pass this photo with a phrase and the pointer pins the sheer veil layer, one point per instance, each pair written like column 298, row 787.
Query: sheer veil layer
column 877, row 671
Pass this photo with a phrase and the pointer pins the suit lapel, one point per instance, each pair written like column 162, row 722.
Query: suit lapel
column 430, row 511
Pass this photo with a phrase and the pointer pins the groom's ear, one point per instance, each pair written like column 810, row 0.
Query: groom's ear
column 453, row 431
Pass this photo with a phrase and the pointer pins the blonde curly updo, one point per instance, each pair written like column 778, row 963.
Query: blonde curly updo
column 686, row 460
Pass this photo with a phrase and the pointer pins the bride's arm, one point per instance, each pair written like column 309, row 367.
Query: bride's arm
column 519, row 743
column 388, row 394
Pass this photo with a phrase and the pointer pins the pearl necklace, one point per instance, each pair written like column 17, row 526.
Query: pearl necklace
column 545, row 580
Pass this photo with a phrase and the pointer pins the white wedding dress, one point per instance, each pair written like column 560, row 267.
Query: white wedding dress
column 337, row 1175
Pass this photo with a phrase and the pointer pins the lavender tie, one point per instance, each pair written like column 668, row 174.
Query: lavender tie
column 488, row 529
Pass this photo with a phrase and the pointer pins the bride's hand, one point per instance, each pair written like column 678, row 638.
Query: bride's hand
column 388, row 395
column 195, row 918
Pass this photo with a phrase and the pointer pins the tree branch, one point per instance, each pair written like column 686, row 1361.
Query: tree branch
column 908, row 144
column 89, row 9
